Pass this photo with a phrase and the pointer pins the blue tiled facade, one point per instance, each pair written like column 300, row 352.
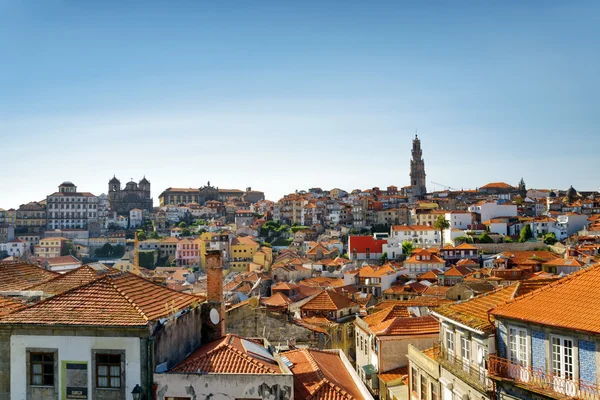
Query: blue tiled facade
column 538, row 350
column 502, row 339
column 587, row 361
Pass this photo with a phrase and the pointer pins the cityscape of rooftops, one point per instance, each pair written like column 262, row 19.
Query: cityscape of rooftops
column 299, row 200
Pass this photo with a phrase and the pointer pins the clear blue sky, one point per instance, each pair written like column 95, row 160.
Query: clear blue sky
column 289, row 95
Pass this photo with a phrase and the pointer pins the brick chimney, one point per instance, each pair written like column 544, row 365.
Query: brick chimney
column 213, row 310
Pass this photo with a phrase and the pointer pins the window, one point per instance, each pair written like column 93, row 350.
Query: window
column 423, row 388
column 41, row 369
column 413, row 376
column 465, row 352
column 517, row 338
column 435, row 394
column 562, row 357
column 108, row 370
column 450, row 341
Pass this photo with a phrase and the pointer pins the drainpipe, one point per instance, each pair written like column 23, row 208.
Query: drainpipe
column 494, row 391
column 149, row 373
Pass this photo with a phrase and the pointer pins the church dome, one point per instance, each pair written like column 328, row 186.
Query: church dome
column 114, row 180
column 67, row 184
column 552, row 194
column 572, row 192
column 144, row 181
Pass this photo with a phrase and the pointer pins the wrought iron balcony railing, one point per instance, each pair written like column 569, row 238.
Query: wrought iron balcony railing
column 475, row 375
column 558, row 386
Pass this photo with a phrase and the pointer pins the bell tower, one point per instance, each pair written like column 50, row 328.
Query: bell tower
column 417, row 170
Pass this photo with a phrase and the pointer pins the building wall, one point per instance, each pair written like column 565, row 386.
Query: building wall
column 72, row 348
column 225, row 386
column 178, row 338
column 393, row 353
column 275, row 327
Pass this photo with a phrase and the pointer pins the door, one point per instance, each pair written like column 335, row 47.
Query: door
column 518, row 354
column 562, row 365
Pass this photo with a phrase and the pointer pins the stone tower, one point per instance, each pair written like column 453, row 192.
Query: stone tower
column 417, row 170
column 213, row 310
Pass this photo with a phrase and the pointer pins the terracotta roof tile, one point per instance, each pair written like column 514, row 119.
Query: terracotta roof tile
column 228, row 355
column 8, row 306
column 394, row 374
column 328, row 301
column 565, row 303
column 395, row 311
column 420, row 301
column 321, row 375
column 407, row 326
column 474, row 312
column 67, row 281
column 277, row 300
column 17, row 276
column 111, row 300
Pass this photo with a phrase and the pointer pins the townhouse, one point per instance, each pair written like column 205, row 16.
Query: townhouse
column 548, row 341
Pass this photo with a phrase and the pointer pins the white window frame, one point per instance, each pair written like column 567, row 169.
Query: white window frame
column 465, row 351
column 563, row 371
column 518, row 351
column 449, row 340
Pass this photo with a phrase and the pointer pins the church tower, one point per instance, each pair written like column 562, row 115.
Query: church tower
column 417, row 170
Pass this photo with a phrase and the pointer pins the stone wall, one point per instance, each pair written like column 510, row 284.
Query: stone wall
column 178, row 338
column 275, row 327
column 493, row 248
column 225, row 386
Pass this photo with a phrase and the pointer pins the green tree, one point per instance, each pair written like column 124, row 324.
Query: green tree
column 146, row 259
column 463, row 239
column 441, row 224
column 141, row 235
column 550, row 238
column 182, row 225
column 118, row 250
column 185, row 232
column 154, row 235
column 383, row 259
column 407, row 248
column 507, row 239
column 485, row 238
column 67, row 249
column 525, row 234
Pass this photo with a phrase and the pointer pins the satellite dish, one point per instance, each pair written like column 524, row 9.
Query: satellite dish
column 214, row 316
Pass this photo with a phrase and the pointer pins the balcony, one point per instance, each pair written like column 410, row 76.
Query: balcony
column 474, row 375
column 540, row 381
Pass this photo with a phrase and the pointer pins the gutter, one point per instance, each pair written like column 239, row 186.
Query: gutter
column 480, row 332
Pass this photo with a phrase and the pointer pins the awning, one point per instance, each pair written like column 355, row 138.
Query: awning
column 369, row 369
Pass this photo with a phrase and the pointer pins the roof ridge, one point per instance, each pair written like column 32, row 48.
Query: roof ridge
column 44, row 301
column 60, row 276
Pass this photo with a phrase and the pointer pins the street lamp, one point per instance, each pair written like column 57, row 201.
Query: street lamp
column 136, row 393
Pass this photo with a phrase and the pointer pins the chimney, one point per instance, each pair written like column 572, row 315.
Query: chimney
column 213, row 310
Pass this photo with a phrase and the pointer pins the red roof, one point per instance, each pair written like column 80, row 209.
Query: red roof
column 362, row 243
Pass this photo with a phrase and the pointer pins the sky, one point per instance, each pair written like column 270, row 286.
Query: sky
column 280, row 96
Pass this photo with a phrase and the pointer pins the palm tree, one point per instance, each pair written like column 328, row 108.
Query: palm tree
column 441, row 224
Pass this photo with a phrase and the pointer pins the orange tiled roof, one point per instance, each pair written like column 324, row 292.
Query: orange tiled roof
column 474, row 312
column 394, row 374
column 8, row 306
column 371, row 271
column 277, row 300
column 67, row 281
column 419, row 301
column 16, row 276
column 497, row 185
column 407, row 326
column 228, row 355
column 565, row 303
column 328, row 301
column 395, row 311
column 113, row 300
column 322, row 375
